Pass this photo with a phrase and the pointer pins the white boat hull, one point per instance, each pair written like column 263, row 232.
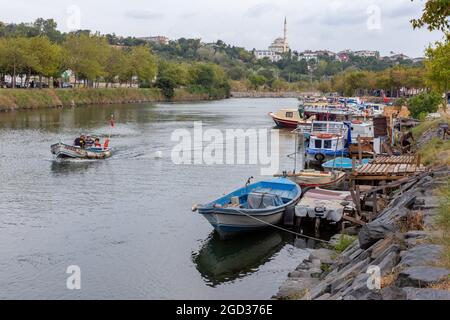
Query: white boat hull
column 231, row 223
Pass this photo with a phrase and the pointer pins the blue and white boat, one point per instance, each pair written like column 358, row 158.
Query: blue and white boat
column 255, row 206
column 327, row 140
column 343, row 164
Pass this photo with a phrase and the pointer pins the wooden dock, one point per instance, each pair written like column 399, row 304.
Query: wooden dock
column 404, row 159
column 388, row 168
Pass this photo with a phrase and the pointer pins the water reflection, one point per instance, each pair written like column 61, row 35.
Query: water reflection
column 91, row 116
column 220, row 261
column 69, row 167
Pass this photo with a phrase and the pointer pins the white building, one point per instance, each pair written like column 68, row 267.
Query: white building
column 276, row 49
column 308, row 55
column 272, row 55
column 366, row 53
column 417, row 60
column 156, row 39
column 398, row 56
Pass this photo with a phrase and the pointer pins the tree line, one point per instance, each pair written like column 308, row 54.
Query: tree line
column 92, row 60
column 89, row 57
column 207, row 66
column 239, row 63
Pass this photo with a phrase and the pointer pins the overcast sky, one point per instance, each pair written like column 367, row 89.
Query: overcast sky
column 312, row 24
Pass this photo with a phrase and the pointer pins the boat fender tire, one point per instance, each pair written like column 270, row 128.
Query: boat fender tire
column 319, row 157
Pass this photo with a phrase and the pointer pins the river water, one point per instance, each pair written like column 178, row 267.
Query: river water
column 127, row 221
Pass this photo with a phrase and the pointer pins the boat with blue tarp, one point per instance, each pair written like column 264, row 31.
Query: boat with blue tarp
column 343, row 163
column 252, row 207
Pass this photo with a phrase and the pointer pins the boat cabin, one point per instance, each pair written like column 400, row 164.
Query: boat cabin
column 377, row 108
column 288, row 118
column 327, row 139
column 362, row 129
column 291, row 114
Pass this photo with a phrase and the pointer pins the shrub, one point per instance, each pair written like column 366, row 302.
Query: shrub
column 344, row 242
column 424, row 103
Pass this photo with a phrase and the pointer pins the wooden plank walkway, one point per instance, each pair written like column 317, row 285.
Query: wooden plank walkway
column 388, row 168
column 404, row 159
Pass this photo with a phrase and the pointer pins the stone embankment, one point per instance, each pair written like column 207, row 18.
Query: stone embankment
column 398, row 244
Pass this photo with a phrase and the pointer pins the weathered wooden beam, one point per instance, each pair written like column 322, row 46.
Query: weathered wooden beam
column 353, row 220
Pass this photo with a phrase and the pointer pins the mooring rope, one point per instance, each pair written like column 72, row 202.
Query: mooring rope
column 280, row 228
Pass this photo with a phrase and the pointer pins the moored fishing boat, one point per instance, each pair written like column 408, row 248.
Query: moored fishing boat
column 289, row 118
column 252, row 207
column 327, row 140
column 315, row 178
column 65, row 151
column 324, row 204
column 343, row 164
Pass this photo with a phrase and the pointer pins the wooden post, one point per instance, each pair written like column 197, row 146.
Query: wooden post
column 358, row 197
column 317, row 228
column 374, row 207
column 355, row 199
column 353, row 164
column 359, row 148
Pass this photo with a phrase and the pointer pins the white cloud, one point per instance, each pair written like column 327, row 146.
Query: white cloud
column 143, row 14
column 260, row 9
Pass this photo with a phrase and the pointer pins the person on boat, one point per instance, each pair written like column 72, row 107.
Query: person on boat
column 80, row 141
column 89, row 142
column 97, row 143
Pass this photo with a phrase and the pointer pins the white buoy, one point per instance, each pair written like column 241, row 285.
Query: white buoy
column 158, row 154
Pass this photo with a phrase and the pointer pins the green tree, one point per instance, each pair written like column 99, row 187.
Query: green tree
column 267, row 73
column 279, row 85
column 86, row 56
column 237, row 73
column 116, row 64
column 423, row 104
column 257, row 80
column 143, row 65
column 15, row 56
column 437, row 67
column 435, row 16
column 48, row 28
column 45, row 57
column 167, row 85
column 210, row 78
column 177, row 72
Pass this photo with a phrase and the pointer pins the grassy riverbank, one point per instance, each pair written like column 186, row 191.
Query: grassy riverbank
column 430, row 145
column 16, row 99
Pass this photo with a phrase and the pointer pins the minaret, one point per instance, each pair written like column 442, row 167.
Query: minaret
column 285, row 35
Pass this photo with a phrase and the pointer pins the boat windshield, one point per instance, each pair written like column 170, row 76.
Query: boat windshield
column 327, row 126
